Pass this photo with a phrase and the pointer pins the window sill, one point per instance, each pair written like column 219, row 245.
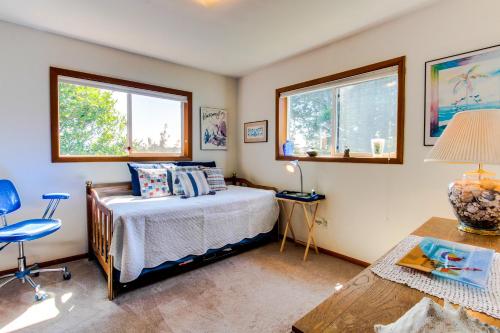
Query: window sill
column 148, row 158
column 372, row 160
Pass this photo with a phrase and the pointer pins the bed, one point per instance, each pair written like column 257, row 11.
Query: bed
column 137, row 240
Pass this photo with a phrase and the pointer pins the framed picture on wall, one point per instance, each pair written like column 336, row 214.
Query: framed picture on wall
column 213, row 128
column 256, row 131
column 466, row 81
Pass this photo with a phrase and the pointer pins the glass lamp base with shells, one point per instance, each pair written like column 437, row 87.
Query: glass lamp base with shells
column 476, row 204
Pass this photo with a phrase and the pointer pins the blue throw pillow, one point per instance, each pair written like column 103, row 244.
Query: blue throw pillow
column 192, row 163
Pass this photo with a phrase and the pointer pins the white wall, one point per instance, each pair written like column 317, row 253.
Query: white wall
column 25, row 57
column 370, row 207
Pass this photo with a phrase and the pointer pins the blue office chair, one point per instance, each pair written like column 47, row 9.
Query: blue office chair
column 27, row 231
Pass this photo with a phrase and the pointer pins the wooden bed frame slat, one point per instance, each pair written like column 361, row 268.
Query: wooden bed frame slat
column 100, row 222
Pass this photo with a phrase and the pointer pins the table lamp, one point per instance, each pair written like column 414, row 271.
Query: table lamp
column 290, row 167
column 473, row 137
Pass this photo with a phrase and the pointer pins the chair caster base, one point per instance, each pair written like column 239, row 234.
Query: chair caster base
column 67, row 275
column 40, row 296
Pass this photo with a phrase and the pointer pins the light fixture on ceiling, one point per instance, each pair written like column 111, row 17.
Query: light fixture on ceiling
column 208, row 3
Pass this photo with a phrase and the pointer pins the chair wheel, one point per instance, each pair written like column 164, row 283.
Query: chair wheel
column 40, row 296
column 67, row 275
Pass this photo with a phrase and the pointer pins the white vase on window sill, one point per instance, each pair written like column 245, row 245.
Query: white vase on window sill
column 378, row 146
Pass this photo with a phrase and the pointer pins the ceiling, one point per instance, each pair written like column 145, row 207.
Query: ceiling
column 230, row 37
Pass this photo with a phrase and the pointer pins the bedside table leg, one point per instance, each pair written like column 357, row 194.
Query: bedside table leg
column 310, row 224
column 288, row 225
column 314, row 226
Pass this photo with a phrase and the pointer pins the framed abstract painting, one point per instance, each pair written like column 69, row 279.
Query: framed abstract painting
column 256, row 131
column 213, row 128
column 467, row 81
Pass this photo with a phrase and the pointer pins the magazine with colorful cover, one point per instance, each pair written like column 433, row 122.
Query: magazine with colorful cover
column 461, row 262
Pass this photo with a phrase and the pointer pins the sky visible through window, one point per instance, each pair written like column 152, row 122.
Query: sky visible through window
column 149, row 117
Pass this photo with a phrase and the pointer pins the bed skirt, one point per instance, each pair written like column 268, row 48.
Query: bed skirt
column 172, row 268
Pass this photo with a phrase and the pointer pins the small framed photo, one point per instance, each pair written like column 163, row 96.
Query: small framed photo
column 256, row 131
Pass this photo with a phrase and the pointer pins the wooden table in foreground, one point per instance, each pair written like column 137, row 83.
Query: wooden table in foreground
column 367, row 299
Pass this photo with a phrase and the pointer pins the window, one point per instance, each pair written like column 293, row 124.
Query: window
column 96, row 118
column 361, row 110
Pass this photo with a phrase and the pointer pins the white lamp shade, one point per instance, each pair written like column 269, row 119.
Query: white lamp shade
column 470, row 137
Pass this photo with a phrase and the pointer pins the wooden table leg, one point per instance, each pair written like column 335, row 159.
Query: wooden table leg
column 314, row 226
column 288, row 225
column 310, row 224
column 291, row 230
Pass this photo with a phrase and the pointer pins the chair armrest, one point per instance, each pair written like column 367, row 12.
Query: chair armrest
column 3, row 213
column 52, row 196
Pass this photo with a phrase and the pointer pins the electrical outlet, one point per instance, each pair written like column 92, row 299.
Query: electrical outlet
column 321, row 221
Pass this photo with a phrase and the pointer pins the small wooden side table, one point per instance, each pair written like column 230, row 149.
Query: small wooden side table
column 310, row 218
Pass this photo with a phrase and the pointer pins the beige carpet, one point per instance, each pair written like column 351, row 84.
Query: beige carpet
column 257, row 291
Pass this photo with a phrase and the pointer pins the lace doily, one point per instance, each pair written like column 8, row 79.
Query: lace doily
column 485, row 300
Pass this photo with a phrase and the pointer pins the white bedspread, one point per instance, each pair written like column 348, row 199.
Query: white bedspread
column 148, row 232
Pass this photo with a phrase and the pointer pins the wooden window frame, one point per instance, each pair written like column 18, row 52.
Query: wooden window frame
column 281, row 127
column 55, row 73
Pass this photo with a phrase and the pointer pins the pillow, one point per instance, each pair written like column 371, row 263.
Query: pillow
column 169, row 167
column 193, row 183
column 153, row 183
column 215, row 179
column 134, row 175
column 176, row 184
column 210, row 164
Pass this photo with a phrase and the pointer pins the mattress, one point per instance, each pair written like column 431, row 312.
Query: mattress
column 149, row 232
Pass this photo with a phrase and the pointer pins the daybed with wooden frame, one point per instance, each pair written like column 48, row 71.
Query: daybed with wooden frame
column 100, row 232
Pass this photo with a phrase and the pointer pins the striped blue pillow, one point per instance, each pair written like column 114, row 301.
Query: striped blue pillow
column 176, row 184
column 193, row 183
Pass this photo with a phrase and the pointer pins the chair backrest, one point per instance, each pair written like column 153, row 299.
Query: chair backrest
column 9, row 199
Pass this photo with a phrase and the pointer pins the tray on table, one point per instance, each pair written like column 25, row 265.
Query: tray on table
column 305, row 197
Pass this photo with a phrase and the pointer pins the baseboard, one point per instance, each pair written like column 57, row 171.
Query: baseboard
column 333, row 253
column 50, row 262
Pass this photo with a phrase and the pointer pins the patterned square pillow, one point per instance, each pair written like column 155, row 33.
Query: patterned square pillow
column 153, row 183
column 134, row 174
column 215, row 179
column 176, row 184
column 194, row 183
